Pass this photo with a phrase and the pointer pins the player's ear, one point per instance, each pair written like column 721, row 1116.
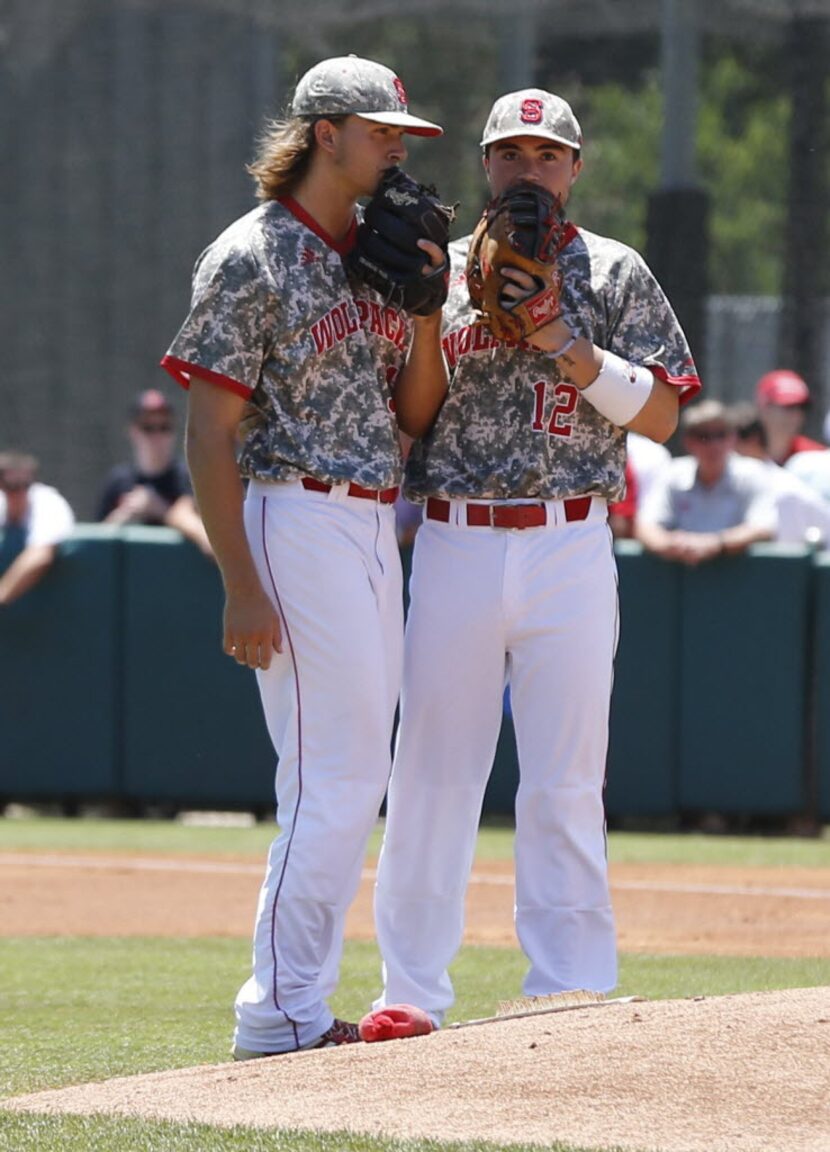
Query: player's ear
column 485, row 160
column 577, row 168
column 325, row 134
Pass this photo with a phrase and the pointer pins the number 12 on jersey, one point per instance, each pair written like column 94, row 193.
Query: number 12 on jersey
column 566, row 397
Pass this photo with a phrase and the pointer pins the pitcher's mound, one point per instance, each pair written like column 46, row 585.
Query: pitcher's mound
column 746, row 1073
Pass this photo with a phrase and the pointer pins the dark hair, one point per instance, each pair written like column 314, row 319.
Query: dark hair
column 284, row 154
column 746, row 420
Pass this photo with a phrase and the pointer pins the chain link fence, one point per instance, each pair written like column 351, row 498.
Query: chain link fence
column 125, row 126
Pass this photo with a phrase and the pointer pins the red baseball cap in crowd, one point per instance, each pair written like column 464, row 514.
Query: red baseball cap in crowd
column 782, row 387
column 151, row 400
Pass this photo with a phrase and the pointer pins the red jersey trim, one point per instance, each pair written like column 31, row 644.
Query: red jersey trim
column 300, row 213
column 689, row 385
column 805, row 444
column 569, row 232
column 182, row 370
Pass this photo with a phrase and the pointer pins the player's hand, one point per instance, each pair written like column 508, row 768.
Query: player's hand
column 518, row 284
column 435, row 254
column 252, row 632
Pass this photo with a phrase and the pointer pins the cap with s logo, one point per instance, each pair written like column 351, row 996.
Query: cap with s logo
column 532, row 112
column 351, row 86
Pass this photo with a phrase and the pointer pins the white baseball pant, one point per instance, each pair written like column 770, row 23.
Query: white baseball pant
column 331, row 565
column 539, row 608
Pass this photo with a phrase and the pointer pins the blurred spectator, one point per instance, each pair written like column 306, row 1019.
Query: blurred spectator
column 34, row 520
column 813, row 469
column 621, row 513
column 783, row 399
column 803, row 514
column 408, row 518
column 648, row 459
column 644, row 460
column 155, row 488
column 710, row 502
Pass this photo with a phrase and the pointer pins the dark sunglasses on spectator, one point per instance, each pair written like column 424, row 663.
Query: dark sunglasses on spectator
column 150, row 429
column 708, row 434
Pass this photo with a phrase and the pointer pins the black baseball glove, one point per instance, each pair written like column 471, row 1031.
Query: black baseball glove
column 386, row 255
column 522, row 228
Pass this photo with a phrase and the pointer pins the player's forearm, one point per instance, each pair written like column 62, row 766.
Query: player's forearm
column 576, row 357
column 422, row 384
column 211, row 458
column 25, row 571
column 182, row 516
column 658, row 418
column 586, row 365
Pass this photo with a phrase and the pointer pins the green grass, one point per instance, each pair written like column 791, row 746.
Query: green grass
column 723, row 851
column 79, row 1009
column 495, row 842
column 45, row 834
column 93, row 1134
column 74, row 1010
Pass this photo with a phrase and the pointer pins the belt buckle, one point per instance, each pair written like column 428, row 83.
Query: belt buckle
column 517, row 515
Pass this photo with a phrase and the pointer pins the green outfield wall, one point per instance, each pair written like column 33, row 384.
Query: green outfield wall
column 113, row 686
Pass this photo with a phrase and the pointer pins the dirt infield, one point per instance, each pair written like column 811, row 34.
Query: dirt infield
column 660, row 908
column 728, row 1074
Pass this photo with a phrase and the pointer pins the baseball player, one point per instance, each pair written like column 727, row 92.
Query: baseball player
column 514, row 579
column 293, row 363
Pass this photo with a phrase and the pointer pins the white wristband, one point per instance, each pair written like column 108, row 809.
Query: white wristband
column 620, row 391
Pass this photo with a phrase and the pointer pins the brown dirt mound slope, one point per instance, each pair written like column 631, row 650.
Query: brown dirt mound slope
column 741, row 1073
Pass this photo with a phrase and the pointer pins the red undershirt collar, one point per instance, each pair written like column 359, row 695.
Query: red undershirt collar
column 568, row 233
column 297, row 210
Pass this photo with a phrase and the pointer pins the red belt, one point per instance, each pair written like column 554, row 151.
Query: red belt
column 384, row 495
column 509, row 515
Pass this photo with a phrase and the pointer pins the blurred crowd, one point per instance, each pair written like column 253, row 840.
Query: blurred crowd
column 747, row 474
column 743, row 474
column 151, row 487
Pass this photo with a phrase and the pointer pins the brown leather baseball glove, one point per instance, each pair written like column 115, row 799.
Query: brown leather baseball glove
column 523, row 228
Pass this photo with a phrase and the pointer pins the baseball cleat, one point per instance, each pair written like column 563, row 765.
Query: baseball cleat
column 341, row 1032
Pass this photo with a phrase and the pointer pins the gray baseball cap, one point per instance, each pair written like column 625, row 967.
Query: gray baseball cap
column 350, row 86
column 532, row 112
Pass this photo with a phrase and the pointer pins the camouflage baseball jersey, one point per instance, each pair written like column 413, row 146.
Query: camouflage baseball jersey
column 512, row 427
column 274, row 318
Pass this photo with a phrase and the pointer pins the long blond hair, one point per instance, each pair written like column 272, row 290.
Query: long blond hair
column 284, row 154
